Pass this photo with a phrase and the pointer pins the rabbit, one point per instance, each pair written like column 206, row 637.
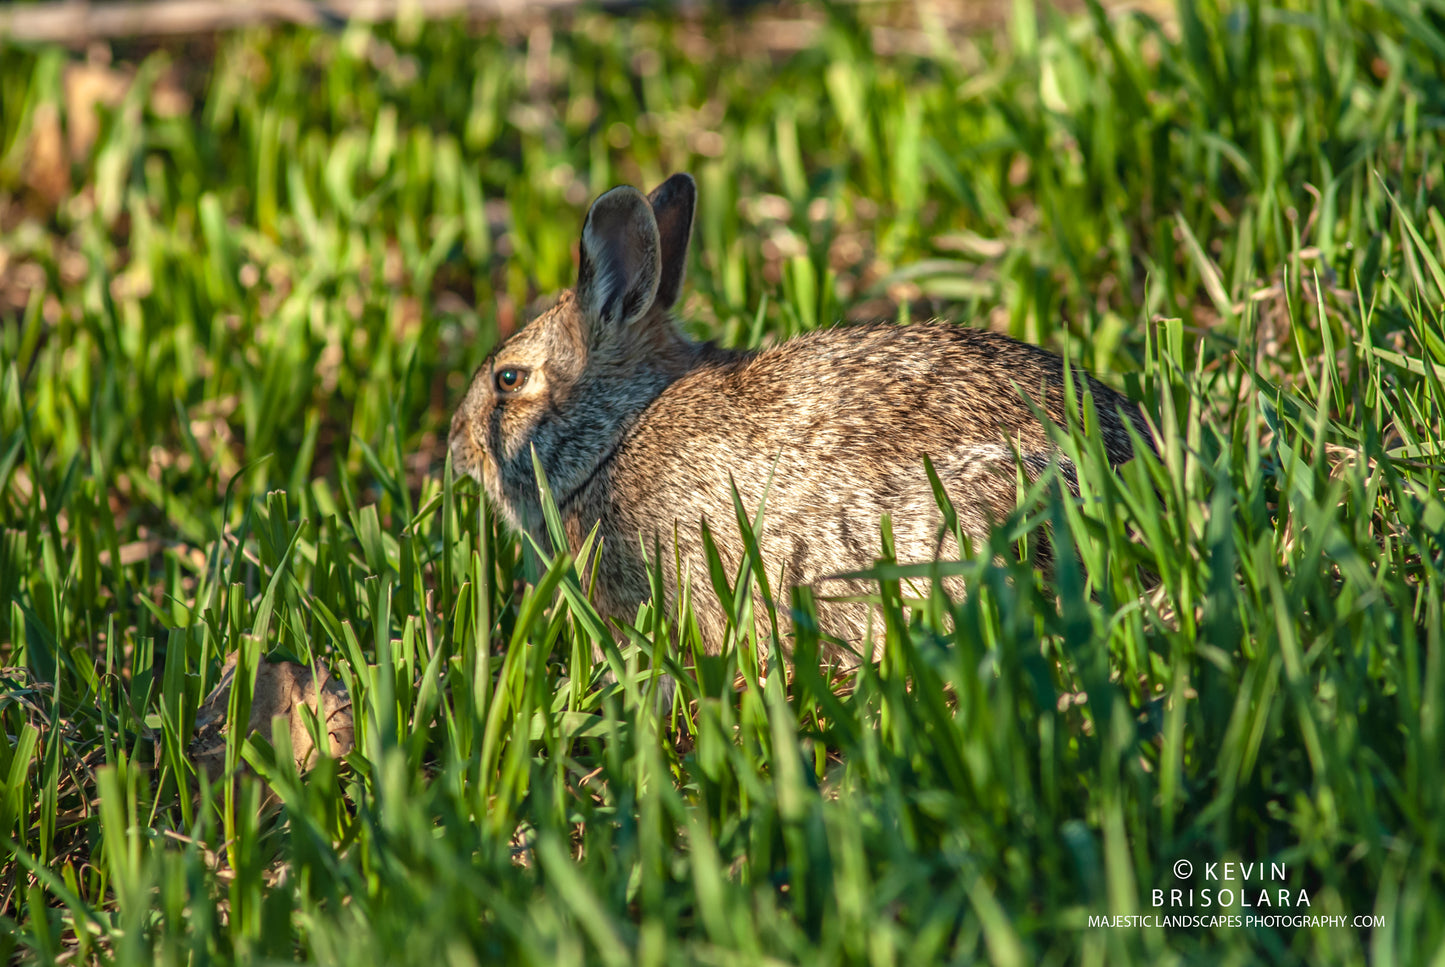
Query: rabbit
column 644, row 432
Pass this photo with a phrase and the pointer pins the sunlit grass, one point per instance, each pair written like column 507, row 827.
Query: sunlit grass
column 231, row 340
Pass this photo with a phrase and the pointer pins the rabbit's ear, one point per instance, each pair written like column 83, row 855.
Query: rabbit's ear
column 673, row 203
column 617, row 280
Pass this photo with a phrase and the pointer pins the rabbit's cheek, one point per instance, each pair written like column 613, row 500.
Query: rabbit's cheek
column 489, row 479
column 509, row 441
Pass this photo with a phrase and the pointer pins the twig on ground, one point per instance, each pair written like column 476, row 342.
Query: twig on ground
column 79, row 21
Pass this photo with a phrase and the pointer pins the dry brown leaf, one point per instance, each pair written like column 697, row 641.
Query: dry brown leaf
column 47, row 168
column 282, row 689
column 88, row 85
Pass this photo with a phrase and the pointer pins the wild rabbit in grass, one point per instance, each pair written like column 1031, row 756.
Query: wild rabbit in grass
column 643, row 431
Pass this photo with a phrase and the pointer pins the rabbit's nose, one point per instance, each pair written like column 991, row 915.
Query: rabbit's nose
column 466, row 455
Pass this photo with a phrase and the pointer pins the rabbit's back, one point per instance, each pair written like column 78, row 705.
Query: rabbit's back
column 833, row 427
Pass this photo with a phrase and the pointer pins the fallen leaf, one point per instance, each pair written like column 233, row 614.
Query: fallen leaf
column 282, row 689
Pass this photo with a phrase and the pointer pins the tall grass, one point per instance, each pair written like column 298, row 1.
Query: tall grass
column 230, row 347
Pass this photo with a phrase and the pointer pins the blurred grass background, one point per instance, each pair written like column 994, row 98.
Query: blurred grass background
column 243, row 280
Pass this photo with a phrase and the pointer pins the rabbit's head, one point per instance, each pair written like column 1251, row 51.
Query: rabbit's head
column 570, row 383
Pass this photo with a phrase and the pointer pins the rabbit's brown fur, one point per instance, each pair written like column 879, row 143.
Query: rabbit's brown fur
column 641, row 430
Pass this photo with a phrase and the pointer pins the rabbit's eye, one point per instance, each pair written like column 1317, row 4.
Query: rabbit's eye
column 510, row 380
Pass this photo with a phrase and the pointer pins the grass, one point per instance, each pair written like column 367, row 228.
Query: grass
column 234, row 329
